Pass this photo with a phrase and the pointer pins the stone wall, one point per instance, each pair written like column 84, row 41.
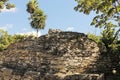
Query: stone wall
column 50, row 57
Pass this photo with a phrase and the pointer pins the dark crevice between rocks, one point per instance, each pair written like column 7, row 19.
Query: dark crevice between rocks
column 17, row 69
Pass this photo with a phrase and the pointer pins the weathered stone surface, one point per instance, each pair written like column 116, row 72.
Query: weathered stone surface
column 85, row 77
column 50, row 57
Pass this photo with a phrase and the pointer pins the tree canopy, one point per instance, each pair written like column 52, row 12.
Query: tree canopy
column 107, row 11
column 5, row 3
column 105, row 8
column 37, row 16
column 107, row 16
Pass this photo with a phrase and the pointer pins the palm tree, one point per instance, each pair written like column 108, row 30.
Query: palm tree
column 38, row 20
column 37, row 16
column 32, row 5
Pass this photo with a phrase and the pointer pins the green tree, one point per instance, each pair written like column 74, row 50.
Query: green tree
column 37, row 16
column 108, row 38
column 5, row 3
column 106, row 11
column 3, row 40
column 108, row 17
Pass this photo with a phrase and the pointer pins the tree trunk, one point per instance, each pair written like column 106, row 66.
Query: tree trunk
column 37, row 32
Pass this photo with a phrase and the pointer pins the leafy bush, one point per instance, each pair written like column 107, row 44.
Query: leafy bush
column 6, row 39
column 94, row 37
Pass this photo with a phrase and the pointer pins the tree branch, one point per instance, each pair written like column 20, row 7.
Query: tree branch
column 116, row 34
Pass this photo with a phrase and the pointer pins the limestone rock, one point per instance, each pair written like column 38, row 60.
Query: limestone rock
column 50, row 57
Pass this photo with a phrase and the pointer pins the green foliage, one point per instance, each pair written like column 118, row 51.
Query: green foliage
column 8, row 6
column 106, row 11
column 109, row 39
column 32, row 6
column 6, row 39
column 5, row 3
column 94, row 37
column 37, row 17
column 99, row 6
column 18, row 37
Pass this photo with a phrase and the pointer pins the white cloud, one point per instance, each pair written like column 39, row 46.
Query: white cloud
column 70, row 29
column 8, row 10
column 6, row 27
column 34, row 33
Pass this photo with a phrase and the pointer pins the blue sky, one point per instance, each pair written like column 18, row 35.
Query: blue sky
column 60, row 15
